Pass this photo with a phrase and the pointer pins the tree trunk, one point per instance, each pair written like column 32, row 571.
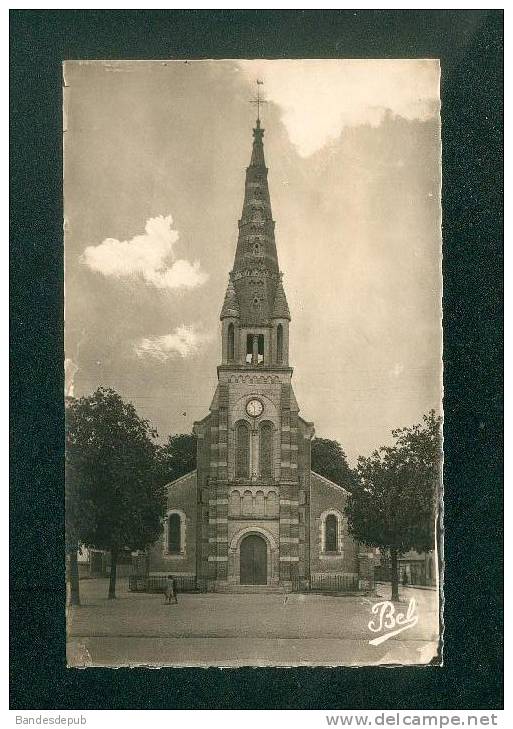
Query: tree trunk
column 113, row 568
column 74, row 585
column 394, row 575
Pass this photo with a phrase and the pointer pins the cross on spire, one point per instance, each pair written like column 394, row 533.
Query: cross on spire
column 258, row 100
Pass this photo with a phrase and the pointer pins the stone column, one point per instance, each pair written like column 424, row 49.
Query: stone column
column 289, row 493
column 253, row 451
column 221, row 491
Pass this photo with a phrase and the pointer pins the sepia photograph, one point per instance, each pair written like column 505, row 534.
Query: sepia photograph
column 253, row 362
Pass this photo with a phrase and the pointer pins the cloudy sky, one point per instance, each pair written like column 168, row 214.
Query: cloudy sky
column 155, row 156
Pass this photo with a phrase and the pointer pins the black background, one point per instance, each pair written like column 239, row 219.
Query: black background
column 470, row 46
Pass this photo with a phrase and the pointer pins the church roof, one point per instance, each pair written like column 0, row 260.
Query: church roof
column 231, row 304
column 256, row 245
column 257, row 291
column 181, row 479
column 328, row 482
column 280, row 307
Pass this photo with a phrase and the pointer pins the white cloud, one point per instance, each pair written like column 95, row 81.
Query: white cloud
column 150, row 256
column 184, row 342
column 318, row 98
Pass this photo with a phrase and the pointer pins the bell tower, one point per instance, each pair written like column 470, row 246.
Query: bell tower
column 255, row 313
column 254, row 448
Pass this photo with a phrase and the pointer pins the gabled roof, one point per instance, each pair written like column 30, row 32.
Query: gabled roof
column 180, row 479
column 329, row 483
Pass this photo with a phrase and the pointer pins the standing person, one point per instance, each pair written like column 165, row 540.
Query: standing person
column 170, row 591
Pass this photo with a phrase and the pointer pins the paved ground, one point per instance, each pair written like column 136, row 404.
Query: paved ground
column 233, row 630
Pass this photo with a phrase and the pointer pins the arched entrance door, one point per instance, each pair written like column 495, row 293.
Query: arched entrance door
column 253, row 560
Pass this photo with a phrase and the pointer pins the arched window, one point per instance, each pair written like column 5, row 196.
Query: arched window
column 279, row 344
column 259, row 503
column 266, row 449
column 234, row 503
column 242, row 451
column 174, row 534
column 249, row 348
column 260, row 358
column 255, row 342
column 231, row 343
column 330, row 534
column 272, row 505
column 247, row 504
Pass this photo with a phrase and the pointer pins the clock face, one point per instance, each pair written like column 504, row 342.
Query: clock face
column 254, row 408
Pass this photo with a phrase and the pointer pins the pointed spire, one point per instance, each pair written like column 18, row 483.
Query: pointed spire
column 256, row 245
column 280, row 307
column 255, row 292
column 230, row 305
column 257, row 155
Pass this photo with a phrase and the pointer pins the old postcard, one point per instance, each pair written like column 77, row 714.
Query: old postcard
column 253, row 362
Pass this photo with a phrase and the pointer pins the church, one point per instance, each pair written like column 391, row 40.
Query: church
column 253, row 515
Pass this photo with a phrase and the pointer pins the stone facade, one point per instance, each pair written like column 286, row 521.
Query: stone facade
column 253, row 512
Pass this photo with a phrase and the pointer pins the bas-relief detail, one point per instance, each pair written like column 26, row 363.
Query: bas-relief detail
column 254, row 379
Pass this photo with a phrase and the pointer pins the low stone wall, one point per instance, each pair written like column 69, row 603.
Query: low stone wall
column 334, row 583
column 157, row 583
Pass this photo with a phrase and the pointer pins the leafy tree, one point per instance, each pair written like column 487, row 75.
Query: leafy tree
column 329, row 460
column 393, row 503
column 115, row 498
column 76, row 514
column 178, row 456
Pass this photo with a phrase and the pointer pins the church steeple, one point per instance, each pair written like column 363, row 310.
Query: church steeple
column 257, row 155
column 256, row 245
column 255, row 313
